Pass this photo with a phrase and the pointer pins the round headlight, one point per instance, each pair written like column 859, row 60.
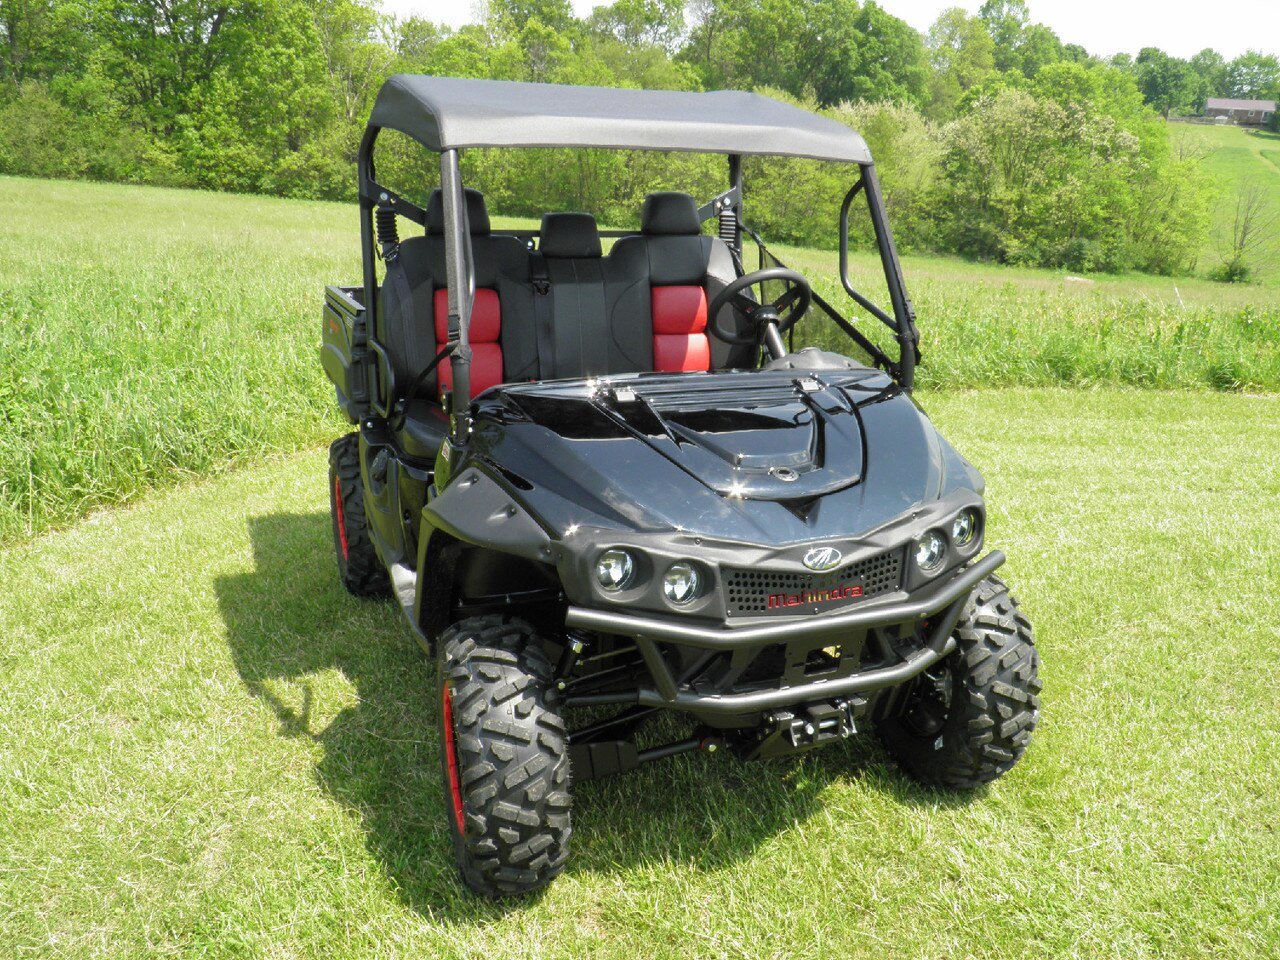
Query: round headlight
column 964, row 528
column 930, row 551
column 615, row 569
column 680, row 583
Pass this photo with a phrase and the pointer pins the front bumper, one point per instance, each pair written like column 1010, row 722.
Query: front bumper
column 947, row 598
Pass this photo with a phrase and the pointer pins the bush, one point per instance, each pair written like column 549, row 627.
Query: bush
column 1074, row 177
column 41, row 136
column 1231, row 270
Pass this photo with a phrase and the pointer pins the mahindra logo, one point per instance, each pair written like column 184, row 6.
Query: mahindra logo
column 778, row 601
column 822, row 558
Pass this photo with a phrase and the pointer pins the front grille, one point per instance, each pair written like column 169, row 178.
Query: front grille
column 750, row 591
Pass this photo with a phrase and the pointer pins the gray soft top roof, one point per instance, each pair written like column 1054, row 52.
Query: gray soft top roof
column 447, row 113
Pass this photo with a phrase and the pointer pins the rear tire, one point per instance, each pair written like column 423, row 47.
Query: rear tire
column 504, row 757
column 969, row 720
column 359, row 568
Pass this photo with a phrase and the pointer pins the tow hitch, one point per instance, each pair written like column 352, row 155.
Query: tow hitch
column 786, row 732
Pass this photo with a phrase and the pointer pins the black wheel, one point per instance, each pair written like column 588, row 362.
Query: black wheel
column 969, row 720
column 504, row 755
column 361, row 571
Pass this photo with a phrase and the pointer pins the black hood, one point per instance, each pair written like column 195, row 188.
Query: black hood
column 761, row 457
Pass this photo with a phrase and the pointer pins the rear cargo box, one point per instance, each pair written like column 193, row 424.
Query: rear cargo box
column 343, row 352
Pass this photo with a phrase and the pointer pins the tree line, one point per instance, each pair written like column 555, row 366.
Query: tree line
column 993, row 137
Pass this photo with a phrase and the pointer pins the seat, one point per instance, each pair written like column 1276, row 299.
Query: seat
column 680, row 270
column 590, row 335
column 413, row 308
column 413, row 318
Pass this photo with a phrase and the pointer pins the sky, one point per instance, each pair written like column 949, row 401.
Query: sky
column 1103, row 27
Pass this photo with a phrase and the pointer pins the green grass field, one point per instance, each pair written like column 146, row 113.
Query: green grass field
column 207, row 749
column 1235, row 154
column 154, row 335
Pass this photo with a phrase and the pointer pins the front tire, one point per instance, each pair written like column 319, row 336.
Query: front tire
column 969, row 720
column 359, row 568
column 504, row 757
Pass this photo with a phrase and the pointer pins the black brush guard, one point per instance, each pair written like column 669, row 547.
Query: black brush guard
column 941, row 606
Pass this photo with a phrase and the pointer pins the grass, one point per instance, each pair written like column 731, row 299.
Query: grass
column 208, row 750
column 154, row 335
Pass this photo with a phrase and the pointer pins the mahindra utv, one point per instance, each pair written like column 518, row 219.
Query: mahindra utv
column 603, row 488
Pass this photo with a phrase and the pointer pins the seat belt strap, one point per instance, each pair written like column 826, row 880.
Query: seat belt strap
column 544, row 324
column 415, row 356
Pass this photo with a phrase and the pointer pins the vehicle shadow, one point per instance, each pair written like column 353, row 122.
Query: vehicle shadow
column 289, row 622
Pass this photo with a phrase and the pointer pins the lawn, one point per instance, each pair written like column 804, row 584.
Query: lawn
column 207, row 749
column 154, row 335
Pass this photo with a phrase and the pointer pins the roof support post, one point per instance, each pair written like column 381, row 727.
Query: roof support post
column 461, row 287
column 904, row 313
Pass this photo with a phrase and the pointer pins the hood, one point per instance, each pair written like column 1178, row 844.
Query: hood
column 757, row 456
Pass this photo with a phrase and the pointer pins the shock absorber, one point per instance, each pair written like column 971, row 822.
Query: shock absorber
column 385, row 219
column 729, row 227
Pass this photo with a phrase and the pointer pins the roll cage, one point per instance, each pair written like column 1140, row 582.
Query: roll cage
column 447, row 115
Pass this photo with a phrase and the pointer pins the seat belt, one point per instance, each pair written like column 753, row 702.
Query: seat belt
column 543, row 321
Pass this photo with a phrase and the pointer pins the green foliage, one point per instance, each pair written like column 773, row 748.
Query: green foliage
column 1253, row 76
column 1167, row 83
column 824, row 50
column 1070, row 172
column 962, row 55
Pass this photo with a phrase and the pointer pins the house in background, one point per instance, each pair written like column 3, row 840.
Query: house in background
column 1240, row 111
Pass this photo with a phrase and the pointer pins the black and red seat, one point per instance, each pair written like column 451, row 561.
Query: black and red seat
column 414, row 316
column 644, row 306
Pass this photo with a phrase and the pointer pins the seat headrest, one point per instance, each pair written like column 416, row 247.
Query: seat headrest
column 670, row 213
column 477, row 212
column 565, row 235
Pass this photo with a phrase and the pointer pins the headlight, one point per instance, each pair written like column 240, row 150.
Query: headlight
column 930, row 550
column 681, row 582
column 964, row 528
column 615, row 569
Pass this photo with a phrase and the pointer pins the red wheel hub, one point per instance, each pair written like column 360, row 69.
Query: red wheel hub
column 451, row 757
column 340, row 513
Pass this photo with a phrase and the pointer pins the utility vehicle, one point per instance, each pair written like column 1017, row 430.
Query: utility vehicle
column 602, row 487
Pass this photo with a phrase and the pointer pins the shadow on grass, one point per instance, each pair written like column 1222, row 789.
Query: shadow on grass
column 290, row 620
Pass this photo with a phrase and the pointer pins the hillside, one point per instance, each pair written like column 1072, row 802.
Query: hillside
column 1234, row 156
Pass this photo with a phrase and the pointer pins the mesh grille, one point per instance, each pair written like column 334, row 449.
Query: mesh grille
column 749, row 591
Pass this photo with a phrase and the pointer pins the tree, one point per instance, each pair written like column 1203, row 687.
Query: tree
column 1210, row 69
column 637, row 22
column 358, row 54
column 891, row 59
column 1166, row 83
column 1252, row 76
column 1038, row 47
column 962, row 54
column 1250, row 242
column 514, row 15
column 1005, row 20
column 22, row 24
column 161, row 51
column 1074, row 53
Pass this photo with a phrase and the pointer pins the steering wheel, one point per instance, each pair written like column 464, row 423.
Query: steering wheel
column 783, row 312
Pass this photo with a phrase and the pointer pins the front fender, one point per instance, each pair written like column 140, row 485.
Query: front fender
column 476, row 509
